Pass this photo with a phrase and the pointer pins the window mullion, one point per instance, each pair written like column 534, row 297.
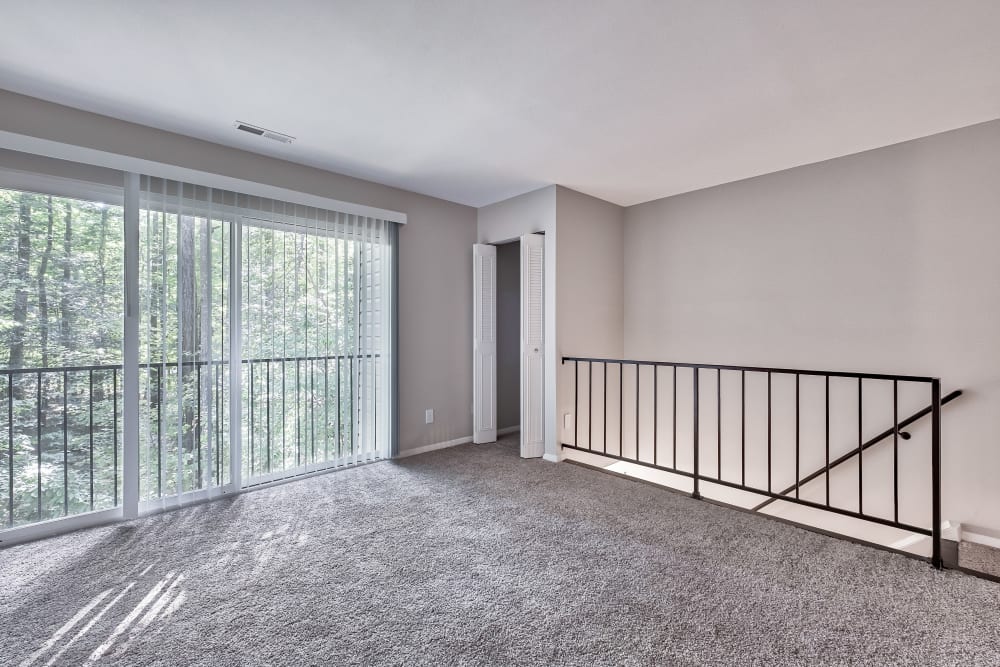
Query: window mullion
column 130, row 377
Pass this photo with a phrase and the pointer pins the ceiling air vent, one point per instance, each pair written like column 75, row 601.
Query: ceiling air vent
column 261, row 132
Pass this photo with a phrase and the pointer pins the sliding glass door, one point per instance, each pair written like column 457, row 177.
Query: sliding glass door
column 60, row 372
column 263, row 348
column 185, row 302
column 307, row 328
column 312, row 341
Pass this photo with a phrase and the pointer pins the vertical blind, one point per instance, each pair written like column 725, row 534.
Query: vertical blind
column 264, row 339
column 167, row 342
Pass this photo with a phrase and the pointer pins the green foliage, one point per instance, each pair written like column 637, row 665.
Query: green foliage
column 60, row 307
column 311, row 329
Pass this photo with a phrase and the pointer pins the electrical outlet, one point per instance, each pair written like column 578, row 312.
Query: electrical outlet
column 428, row 416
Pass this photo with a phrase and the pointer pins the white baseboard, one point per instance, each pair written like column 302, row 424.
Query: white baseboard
column 552, row 458
column 509, row 430
column 430, row 448
column 53, row 527
column 978, row 538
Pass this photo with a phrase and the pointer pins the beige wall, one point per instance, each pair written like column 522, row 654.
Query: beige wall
column 435, row 300
column 590, row 288
column 885, row 261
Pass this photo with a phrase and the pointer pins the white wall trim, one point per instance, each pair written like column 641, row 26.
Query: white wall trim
column 451, row 443
column 979, row 538
column 148, row 508
column 126, row 163
column 553, row 458
column 53, row 527
column 17, row 179
column 430, row 448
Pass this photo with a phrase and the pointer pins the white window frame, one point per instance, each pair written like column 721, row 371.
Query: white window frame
column 130, row 505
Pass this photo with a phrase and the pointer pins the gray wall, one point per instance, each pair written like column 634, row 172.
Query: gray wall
column 590, row 307
column 61, row 168
column 881, row 261
column 435, row 304
column 583, row 282
column 530, row 213
column 508, row 335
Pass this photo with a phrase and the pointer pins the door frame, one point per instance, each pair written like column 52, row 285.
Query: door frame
column 479, row 432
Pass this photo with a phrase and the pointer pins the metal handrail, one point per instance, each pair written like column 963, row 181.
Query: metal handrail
column 759, row 369
column 897, row 430
column 696, row 475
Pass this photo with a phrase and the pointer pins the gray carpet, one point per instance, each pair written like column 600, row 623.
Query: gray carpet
column 474, row 556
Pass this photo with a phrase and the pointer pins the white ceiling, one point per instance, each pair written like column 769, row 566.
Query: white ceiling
column 479, row 100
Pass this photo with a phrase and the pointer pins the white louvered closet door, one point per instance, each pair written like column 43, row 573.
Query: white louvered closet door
column 484, row 350
column 532, row 346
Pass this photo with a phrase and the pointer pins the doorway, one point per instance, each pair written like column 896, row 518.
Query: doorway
column 530, row 330
column 508, row 338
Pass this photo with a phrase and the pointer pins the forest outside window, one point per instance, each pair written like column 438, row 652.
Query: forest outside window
column 263, row 348
column 61, row 276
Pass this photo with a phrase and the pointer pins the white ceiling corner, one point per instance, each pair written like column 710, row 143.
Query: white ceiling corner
column 475, row 101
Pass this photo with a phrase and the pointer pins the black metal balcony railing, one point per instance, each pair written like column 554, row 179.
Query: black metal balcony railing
column 56, row 418
column 63, row 427
column 735, row 476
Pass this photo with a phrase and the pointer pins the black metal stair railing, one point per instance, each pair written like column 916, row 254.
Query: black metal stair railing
column 737, row 477
column 844, row 458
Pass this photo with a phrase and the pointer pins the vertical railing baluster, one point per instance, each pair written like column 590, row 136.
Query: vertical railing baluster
column 590, row 405
column 38, row 433
column 284, row 413
column 694, row 438
column 159, row 430
column 10, row 448
column 936, row 474
column 353, row 412
column 219, row 371
column 604, row 393
column 65, row 425
column 621, row 409
column 114, row 427
column 718, row 421
column 326, row 394
column 340, row 413
column 827, row 475
column 311, row 405
column 769, row 432
column 673, row 421
column 91, row 401
column 895, row 451
column 199, row 481
column 298, row 415
column 252, row 409
column 576, row 403
column 656, row 373
column 637, row 412
column 743, row 428
column 267, row 398
column 861, row 442
column 797, row 430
